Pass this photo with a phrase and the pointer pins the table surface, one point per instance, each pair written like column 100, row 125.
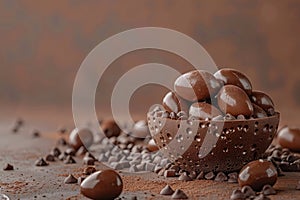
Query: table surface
column 30, row 182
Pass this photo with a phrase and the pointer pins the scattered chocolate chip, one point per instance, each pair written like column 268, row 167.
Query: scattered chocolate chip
column 36, row 134
column 179, row 194
column 209, row 176
column 88, row 161
column 193, row 175
column 261, row 197
column 41, row 162
column 184, row 177
column 233, row 177
column 62, row 130
column 220, row 177
column 268, row 190
column 50, row 158
column 89, row 170
column 169, row 173
column 70, row 179
column 110, row 128
column 167, row 190
column 200, row 176
column 69, row 160
column 70, row 151
column 248, row 191
column 81, row 151
column 62, row 156
column 61, row 141
column 80, row 179
column 55, row 152
column 237, row 195
column 8, row 167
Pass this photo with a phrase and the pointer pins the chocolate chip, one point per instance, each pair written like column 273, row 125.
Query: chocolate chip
column 41, row 162
column 133, row 168
column 81, row 151
column 233, row 177
column 69, row 160
column 237, row 195
column 261, row 197
column 268, row 190
column 62, row 142
column 248, row 191
column 80, row 179
column 8, row 167
column 89, row 170
column 220, row 177
column 170, row 173
column 88, row 161
column 70, row 151
column 179, row 194
column 55, row 152
column 150, row 167
column 157, row 168
column 50, row 158
column 167, row 190
column 184, row 177
column 193, row 175
column 200, row 176
column 62, row 156
column 36, row 133
column 209, row 176
column 70, row 179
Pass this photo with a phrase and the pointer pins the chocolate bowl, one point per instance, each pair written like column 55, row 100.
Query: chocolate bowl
column 218, row 145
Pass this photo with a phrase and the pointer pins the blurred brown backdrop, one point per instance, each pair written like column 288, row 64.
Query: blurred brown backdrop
column 44, row 42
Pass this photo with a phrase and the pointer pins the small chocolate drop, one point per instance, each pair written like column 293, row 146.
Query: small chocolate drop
column 167, row 190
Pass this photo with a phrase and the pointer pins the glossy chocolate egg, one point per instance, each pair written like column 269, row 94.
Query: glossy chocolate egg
column 233, row 77
column 264, row 101
column 289, row 138
column 258, row 112
column 258, row 173
column 196, row 85
column 104, row 185
column 234, row 100
column 82, row 137
column 175, row 104
column 201, row 110
column 110, row 128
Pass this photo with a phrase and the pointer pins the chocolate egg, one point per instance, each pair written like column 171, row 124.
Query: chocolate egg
column 175, row 104
column 196, row 85
column 110, row 128
column 233, row 100
column 233, row 77
column 258, row 112
column 82, row 137
column 104, row 185
column 264, row 101
column 258, row 173
column 201, row 110
column 289, row 138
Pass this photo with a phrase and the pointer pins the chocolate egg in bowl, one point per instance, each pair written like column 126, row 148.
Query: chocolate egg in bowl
column 223, row 128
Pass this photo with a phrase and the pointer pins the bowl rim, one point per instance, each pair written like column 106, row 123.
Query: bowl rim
column 276, row 115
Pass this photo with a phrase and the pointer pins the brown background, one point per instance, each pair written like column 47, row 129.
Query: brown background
column 44, row 42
